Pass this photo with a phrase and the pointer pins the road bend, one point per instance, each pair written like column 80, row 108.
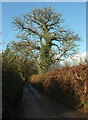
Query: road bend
column 38, row 105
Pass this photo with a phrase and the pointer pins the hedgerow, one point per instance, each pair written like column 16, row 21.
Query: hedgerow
column 68, row 84
column 12, row 85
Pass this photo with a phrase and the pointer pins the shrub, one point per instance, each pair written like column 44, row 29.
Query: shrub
column 11, row 86
column 67, row 84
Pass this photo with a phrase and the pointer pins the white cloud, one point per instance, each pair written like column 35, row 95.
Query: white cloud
column 85, row 55
column 78, row 58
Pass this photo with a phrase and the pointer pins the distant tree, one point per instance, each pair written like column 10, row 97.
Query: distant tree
column 42, row 29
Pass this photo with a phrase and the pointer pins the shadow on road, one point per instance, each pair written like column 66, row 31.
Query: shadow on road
column 38, row 105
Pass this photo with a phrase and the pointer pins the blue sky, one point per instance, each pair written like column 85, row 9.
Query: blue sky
column 74, row 14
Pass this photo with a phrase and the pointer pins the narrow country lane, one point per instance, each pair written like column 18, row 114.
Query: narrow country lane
column 38, row 105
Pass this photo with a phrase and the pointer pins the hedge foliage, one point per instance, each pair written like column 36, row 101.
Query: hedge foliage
column 68, row 84
column 12, row 85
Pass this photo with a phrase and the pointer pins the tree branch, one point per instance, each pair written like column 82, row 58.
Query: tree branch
column 57, row 46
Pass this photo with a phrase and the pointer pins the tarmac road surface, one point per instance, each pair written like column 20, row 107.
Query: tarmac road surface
column 38, row 105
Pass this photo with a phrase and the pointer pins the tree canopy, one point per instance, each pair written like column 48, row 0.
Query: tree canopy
column 43, row 32
column 16, row 58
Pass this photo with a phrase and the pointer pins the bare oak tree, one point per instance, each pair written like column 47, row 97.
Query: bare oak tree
column 43, row 30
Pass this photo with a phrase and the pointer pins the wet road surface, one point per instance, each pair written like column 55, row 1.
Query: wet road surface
column 38, row 105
